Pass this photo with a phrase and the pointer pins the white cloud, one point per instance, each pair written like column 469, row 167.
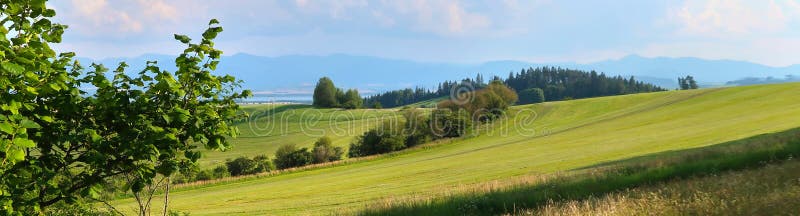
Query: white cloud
column 104, row 18
column 445, row 17
column 733, row 18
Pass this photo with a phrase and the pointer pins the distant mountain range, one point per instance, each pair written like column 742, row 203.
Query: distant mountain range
column 293, row 77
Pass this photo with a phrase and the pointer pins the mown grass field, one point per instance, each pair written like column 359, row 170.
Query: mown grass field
column 565, row 136
column 270, row 126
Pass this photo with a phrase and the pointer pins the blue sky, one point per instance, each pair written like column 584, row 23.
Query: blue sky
column 761, row 31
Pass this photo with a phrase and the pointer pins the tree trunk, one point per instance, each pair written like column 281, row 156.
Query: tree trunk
column 166, row 196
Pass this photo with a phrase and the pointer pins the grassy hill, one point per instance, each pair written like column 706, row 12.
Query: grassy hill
column 556, row 137
column 271, row 126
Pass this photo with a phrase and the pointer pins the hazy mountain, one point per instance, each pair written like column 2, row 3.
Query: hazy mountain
column 294, row 76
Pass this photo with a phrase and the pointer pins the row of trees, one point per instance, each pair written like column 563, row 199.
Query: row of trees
column 287, row 156
column 326, row 95
column 554, row 84
column 453, row 118
column 407, row 96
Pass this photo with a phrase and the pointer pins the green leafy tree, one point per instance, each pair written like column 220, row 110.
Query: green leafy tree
column 352, row 100
column 325, row 94
column 58, row 143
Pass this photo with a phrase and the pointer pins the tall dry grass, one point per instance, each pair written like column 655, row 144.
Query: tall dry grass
column 592, row 182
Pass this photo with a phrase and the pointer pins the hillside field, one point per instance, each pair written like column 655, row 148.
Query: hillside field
column 535, row 140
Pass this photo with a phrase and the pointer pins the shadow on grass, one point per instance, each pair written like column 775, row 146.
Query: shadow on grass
column 614, row 176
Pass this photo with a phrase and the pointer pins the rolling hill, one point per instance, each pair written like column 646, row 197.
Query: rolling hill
column 534, row 140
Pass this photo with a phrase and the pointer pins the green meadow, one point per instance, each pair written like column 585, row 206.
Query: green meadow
column 553, row 138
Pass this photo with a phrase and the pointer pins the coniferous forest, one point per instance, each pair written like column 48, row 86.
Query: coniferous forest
column 554, row 82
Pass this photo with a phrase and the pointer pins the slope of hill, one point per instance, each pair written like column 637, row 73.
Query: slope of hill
column 270, row 126
column 536, row 139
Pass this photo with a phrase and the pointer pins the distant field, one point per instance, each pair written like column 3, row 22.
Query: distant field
column 271, row 126
column 563, row 136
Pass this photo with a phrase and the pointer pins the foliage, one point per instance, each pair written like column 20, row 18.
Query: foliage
column 324, row 151
column 384, row 139
column 531, row 96
column 417, row 127
column 446, row 123
column 687, row 83
column 556, row 84
column 289, row 156
column 352, row 100
column 247, row 166
column 485, row 104
column 241, row 166
column 141, row 126
column 325, row 93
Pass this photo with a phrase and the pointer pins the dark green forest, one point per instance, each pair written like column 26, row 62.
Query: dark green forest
column 554, row 83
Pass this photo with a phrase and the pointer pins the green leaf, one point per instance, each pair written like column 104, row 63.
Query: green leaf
column 15, row 155
column 47, row 119
column 29, row 124
column 12, row 68
column 213, row 21
column 49, row 13
column 6, row 127
column 182, row 38
column 25, row 143
column 54, row 86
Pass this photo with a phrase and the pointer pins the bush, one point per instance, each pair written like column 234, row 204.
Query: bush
column 416, row 127
column 288, row 156
column 531, row 96
column 241, row 166
column 263, row 164
column 324, row 151
column 485, row 104
column 220, row 171
column 447, row 123
column 380, row 140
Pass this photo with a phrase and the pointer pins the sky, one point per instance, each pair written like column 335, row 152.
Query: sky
column 456, row 31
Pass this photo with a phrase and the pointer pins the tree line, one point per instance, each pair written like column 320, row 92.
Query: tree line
column 453, row 118
column 533, row 85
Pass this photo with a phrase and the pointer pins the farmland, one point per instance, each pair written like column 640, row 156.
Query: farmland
column 534, row 140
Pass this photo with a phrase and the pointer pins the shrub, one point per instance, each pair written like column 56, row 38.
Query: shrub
column 288, row 156
column 204, row 175
column 241, row 166
column 263, row 164
column 324, row 151
column 485, row 104
column 384, row 139
column 447, row 123
column 220, row 171
column 416, row 127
